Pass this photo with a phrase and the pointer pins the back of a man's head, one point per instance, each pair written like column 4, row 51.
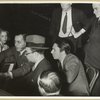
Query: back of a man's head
column 49, row 83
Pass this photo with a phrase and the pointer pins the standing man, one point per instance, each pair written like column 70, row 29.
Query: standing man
column 92, row 49
column 68, row 22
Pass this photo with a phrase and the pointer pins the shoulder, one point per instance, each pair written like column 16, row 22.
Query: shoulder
column 57, row 11
column 10, row 51
column 72, row 58
column 45, row 64
column 71, row 61
column 5, row 47
column 76, row 10
column 93, row 19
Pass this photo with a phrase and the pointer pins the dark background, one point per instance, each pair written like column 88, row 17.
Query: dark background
column 31, row 18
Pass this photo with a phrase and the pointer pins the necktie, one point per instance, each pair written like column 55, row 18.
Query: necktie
column 64, row 27
column 59, row 66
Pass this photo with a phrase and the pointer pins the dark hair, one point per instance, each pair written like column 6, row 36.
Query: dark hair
column 64, row 44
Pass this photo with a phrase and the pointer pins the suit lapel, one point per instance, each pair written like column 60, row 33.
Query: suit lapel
column 73, row 17
column 59, row 18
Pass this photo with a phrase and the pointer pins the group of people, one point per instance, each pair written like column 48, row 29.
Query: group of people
column 31, row 73
column 77, row 23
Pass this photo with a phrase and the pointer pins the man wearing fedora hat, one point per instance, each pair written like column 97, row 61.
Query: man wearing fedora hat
column 35, row 53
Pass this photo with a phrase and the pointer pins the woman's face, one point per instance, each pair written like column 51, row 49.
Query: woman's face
column 3, row 37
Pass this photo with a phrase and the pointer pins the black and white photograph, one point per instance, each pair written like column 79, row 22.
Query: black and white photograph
column 50, row 49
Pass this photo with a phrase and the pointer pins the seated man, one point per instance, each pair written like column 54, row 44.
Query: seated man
column 15, row 55
column 72, row 71
column 49, row 83
column 18, row 57
column 35, row 54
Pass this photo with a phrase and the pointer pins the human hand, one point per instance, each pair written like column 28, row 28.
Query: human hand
column 77, row 34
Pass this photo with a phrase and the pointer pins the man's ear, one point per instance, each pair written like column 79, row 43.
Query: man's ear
column 36, row 54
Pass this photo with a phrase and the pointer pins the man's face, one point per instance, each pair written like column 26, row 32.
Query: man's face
column 20, row 43
column 96, row 8
column 55, row 51
column 3, row 37
column 30, row 55
column 65, row 6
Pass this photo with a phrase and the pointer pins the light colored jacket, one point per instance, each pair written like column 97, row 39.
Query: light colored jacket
column 75, row 75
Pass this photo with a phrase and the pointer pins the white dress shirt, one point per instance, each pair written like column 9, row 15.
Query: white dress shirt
column 69, row 24
column 36, row 64
column 70, row 29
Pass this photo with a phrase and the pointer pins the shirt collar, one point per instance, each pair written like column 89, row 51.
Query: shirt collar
column 69, row 10
column 35, row 65
column 21, row 52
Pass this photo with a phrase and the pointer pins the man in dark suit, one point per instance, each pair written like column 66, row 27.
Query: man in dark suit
column 92, row 51
column 10, row 79
column 35, row 53
column 68, row 22
column 16, row 56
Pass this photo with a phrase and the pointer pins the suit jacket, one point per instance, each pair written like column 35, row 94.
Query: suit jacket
column 79, row 20
column 22, row 66
column 75, row 76
column 27, row 85
column 92, row 48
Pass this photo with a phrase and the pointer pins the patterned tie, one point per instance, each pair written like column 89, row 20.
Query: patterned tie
column 64, row 27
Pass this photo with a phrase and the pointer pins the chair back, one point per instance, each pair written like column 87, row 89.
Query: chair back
column 92, row 76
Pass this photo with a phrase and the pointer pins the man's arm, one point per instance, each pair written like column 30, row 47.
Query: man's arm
column 19, row 72
column 22, row 70
column 71, row 70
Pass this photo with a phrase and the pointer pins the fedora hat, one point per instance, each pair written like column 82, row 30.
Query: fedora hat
column 36, row 42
